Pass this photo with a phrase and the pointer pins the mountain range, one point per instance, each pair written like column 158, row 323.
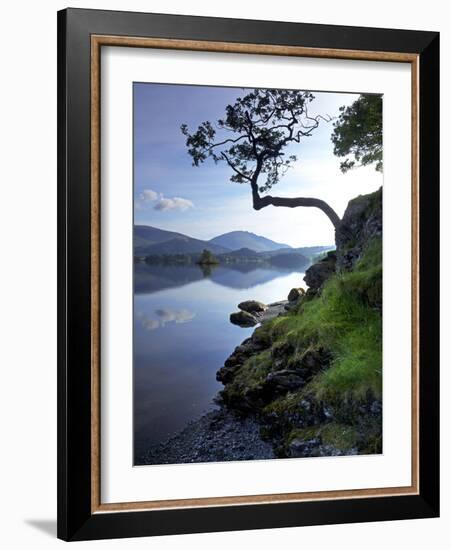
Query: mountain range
column 236, row 240
column 153, row 241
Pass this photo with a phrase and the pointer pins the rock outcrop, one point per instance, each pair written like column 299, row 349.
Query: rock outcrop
column 250, row 346
column 317, row 274
column 361, row 222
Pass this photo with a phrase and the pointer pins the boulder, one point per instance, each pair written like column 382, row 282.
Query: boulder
column 283, row 381
column 318, row 273
column 252, row 306
column 241, row 353
column 295, row 294
column 260, row 339
column 243, row 319
column 227, row 373
column 312, row 361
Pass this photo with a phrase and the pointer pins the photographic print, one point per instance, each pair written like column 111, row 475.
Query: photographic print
column 257, row 262
column 247, row 222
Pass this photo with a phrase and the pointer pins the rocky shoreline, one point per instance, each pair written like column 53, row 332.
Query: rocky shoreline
column 311, row 374
column 216, row 436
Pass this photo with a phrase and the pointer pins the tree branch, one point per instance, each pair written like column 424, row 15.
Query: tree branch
column 234, row 168
column 229, row 140
column 288, row 202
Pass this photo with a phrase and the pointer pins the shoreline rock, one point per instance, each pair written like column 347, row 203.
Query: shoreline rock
column 317, row 274
column 295, row 294
column 246, row 319
column 252, row 306
column 243, row 319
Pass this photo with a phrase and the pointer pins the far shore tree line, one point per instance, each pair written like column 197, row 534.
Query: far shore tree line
column 207, row 258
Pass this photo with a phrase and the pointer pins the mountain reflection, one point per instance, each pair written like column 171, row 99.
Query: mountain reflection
column 152, row 278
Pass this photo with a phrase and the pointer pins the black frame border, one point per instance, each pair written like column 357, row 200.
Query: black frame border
column 75, row 520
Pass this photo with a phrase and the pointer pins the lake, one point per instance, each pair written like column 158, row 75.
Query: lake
column 182, row 336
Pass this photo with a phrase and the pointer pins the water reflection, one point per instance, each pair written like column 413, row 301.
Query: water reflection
column 152, row 278
column 165, row 316
column 182, row 335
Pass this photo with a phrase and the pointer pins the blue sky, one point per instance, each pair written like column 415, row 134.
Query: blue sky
column 171, row 194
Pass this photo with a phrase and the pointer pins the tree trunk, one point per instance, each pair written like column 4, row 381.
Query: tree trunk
column 262, row 202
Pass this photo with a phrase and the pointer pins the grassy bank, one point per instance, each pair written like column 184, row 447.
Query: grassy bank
column 332, row 343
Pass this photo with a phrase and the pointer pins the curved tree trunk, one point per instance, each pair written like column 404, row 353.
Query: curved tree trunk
column 288, row 202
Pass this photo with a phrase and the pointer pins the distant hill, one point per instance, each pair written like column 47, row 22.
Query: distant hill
column 308, row 251
column 242, row 253
column 145, row 235
column 294, row 260
column 150, row 240
column 235, row 240
column 312, row 251
column 181, row 245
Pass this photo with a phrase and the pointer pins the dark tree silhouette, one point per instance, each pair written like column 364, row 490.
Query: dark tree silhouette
column 252, row 139
column 207, row 258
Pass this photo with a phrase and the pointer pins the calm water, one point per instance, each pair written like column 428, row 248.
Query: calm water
column 182, row 335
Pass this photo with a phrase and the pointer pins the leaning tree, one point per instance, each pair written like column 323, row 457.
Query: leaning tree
column 252, row 139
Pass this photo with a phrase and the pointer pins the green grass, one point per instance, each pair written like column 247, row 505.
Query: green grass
column 254, row 371
column 345, row 320
column 249, row 376
column 341, row 436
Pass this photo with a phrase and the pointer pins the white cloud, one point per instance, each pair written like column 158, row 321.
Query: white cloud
column 149, row 324
column 162, row 203
column 176, row 316
column 148, row 195
column 177, row 203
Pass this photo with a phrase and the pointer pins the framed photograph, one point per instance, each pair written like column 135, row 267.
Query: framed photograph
column 248, row 274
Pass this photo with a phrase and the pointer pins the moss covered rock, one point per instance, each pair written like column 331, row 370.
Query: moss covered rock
column 361, row 222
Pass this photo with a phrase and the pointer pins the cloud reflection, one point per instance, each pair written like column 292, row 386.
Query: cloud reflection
column 166, row 316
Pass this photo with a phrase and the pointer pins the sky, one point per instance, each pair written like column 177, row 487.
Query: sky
column 171, row 194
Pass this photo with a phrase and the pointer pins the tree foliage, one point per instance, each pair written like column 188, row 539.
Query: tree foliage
column 253, row 135
column 357, row 133
column 253, row 139
column 207, row 258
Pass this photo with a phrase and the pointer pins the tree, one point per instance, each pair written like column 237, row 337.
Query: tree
column 252, row 139
column 207, row 258
column 358, row 133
